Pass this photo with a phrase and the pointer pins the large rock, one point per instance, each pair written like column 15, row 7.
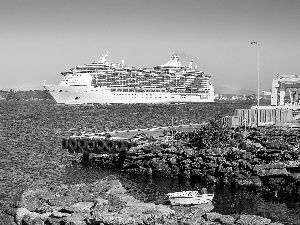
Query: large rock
column 6, row 219
column 196, row 173
column 175, row 171
column 295, row 177
column 35, row 200
column 172, row 160
column 251, row 145
column 32, row 219
column 192, row 215
column 82, row 207
column 137, row 213
column 20, row 213
column 252, row 220
column 76, row 219
column 216, row 217
column 273, row 172
column 160, row 167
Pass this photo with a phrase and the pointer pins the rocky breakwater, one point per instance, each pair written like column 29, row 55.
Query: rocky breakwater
column 106, row 202
column 267, row 158
column 102, row 202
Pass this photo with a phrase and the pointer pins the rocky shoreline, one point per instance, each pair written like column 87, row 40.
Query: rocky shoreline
column 263, row 159
column 266, row 159
column 106, row 202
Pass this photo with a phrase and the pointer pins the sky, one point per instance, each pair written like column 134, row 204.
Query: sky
column 41, row 38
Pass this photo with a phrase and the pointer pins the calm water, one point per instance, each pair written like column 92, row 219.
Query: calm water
column 30, row 156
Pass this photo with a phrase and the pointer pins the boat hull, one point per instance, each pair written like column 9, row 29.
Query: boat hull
column 193, row 200
column 183, row 194
column 90, row 94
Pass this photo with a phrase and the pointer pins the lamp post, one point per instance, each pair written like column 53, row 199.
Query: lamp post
column 258, row 116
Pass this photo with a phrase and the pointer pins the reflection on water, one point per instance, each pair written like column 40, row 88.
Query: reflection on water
column 79, row 173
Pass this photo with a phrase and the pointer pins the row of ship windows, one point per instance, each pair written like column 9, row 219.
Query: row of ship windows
column 165, row 97
column 118, row 94
column 160, row 97
column 205, row 90
column 125, row 94
column 146, row 96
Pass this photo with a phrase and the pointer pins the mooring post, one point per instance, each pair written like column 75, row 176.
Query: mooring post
column 172, row 134
column 245, row 126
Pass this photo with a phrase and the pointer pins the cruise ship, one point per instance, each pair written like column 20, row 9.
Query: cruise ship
column 106, row 82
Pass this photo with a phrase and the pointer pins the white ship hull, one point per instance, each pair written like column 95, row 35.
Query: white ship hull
column 192, row 200
column 90, row 94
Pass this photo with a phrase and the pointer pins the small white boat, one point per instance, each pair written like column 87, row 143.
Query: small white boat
column 183, row 194
column 189, row 198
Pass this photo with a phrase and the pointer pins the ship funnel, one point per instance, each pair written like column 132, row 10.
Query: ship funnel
column 103, row 58
column 191, row 64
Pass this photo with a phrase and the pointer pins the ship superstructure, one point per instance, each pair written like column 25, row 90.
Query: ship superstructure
column 106, row 82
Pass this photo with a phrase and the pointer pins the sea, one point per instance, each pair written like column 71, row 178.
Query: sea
column 31, row 155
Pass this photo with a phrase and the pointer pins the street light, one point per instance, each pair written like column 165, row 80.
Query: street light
column 258, row 116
